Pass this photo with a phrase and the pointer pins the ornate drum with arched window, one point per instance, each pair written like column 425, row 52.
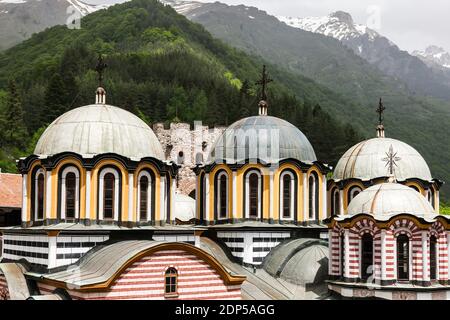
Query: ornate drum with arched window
column 262, row 169
column 362, row 166
column 391, row 240
column 262, row 172
column 98, row 167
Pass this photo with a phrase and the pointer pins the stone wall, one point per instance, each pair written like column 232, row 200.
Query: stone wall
column 187, row 147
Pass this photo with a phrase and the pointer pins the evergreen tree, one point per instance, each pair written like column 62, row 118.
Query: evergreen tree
column 14, row 130
column 55, row 102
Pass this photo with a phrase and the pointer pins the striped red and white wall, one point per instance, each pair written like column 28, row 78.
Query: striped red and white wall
column 4, row 292
column 144, row 280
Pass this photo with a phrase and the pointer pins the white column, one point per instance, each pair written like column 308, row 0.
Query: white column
column 305, row 197
column 130, row 196
column 207, row 197
column 324, row 197
column 87, row 214
column 425, row 271
column 197, row 198
column 52, row 252
column 271, row 191
column 173, row 188
column 48, row 195
column 162, row 191
column 383, row 254
column 347, row 253
column 234, row 209
column 437, row 202
column 24, row 197
column 341, row 201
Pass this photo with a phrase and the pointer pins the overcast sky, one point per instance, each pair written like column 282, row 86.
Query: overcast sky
column 411, row 24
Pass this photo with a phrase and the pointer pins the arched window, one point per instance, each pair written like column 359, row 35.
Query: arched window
column 352, row 193
column 366, row 256
column 287, row 196
column 109, row 197
column 433, row 258
column 145, row 196
column 253, row 194
column 335, row 202
column 222, row 195
column 403, row 258
column 342, row 254
column 171, row 282
column 39, row 194
column 180, row 158
column 313, row 196
column 70, row 191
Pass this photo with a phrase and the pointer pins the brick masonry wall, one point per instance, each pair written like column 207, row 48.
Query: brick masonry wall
column 389, row 268
column 194, row 144
column 144, row 279
column 4, row 292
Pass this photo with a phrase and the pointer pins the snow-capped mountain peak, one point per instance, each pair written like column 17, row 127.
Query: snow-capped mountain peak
column 339, row 25
column 182, row 6
column 85, row 8
column 434, row 55
column 82, row 7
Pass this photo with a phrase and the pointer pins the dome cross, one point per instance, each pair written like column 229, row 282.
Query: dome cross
column 391, row 160
column 381, row 108
column 263, row 82
column 100, row 69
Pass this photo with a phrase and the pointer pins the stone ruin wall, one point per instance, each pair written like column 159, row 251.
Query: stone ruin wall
column 187, row 147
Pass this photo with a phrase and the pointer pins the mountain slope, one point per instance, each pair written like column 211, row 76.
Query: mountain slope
column 20, row 19
column 162, row 67
column 421, row 122
column 379, row 51
column 435, row 57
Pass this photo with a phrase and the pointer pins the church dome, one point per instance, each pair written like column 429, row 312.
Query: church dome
column 364, row 161
column 98, row 129
column 184, row 207
column 252, row 138
column 299, row 261
column 386, row 200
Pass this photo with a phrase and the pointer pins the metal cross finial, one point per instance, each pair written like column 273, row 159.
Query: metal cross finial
column 100, row 68
column 380, row 111
column 391, row 160
column 263, row 83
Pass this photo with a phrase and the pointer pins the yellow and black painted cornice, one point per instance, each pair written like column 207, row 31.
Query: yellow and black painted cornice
column 51, row 162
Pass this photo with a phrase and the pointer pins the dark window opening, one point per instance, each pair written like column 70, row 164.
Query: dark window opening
column 108, row 196
column 403, row 258
column 40, row 197
column 342, row 257
column 143, row 198
column 71, row 182
column 287, row 196
column 433, row 258
column 253, row 195
column 366, row 256
column 223, row 197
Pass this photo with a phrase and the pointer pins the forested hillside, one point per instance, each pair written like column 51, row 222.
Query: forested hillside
column 162, row 67
column 422, row 122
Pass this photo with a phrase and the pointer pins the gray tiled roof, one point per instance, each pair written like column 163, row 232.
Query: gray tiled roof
column 97, row 129
column 252, row 138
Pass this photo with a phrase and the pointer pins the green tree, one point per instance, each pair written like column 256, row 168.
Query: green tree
column 14, row 130
column 177, row 105
column 55, row 102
